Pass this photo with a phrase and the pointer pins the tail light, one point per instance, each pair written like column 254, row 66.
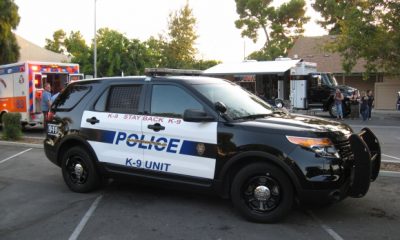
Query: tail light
column 50, row 116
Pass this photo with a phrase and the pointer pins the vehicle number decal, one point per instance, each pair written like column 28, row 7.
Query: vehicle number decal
column 52, row 129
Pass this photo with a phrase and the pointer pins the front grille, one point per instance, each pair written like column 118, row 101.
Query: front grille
column 344, row 149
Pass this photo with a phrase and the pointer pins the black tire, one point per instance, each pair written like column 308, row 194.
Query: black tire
column 79, row 171
column 275, row 195
column 279, row 103
column 332, row 110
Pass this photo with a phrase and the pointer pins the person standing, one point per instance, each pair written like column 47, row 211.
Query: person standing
column 355, row 104
column 371, row 100
column 46, row 103
column 364, row 108
column 338, row 102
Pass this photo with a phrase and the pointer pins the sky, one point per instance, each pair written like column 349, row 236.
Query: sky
column 219, row 39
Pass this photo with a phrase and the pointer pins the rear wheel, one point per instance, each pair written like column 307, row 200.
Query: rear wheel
column 79, row 171
column 333, row 110
column 262, row 193
column 279, row 103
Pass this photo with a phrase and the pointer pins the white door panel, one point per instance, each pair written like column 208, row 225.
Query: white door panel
column 110, row 136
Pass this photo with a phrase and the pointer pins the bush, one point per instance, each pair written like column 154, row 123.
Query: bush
column 11, row 126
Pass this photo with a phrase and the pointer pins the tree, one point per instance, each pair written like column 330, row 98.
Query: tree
column 9, row 20
column 57, row 44
column 155, row 52
column 204, row 64
column 179, row 50
column 79, row 51
column 112, row 51
column 370, row 30
column 280, row 25
column 332, row 12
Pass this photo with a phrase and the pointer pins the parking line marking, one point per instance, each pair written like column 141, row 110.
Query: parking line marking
column 327, row 229
column 85, row 219
column 390, row 156
column 16, row 155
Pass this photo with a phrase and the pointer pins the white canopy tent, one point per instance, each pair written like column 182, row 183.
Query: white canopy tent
column 278, row 67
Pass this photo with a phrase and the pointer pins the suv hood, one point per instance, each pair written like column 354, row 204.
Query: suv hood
column 298, row 123
column 346, row 90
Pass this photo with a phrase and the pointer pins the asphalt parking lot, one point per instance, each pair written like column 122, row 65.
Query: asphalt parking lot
column 36, row 204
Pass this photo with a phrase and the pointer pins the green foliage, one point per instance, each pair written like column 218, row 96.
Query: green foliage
column 57, row 44
column 280, row 25
column 204, row 64
column 155, row 52
column 112, row 52
column 9, row 19
column 332, row 12
column 11, row 126
column 370, row 30
column 179, row 50
column 80, row 53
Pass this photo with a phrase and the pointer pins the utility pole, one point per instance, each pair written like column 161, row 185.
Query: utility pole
column 95, row 42
column 244, row 49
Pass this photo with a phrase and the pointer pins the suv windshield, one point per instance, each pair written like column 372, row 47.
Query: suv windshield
column 240, row 104
column 329, row 79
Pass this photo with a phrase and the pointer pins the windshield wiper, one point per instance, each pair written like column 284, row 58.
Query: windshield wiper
column 253, row 116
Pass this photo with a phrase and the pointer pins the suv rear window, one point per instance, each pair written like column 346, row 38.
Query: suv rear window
column 124, row 99
column 70, row 97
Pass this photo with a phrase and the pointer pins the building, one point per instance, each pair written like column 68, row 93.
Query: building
column 311, row 49
column 31, row 52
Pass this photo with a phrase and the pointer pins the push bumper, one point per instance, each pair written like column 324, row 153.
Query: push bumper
column 367, row 161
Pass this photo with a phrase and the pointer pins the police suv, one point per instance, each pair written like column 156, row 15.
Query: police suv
column 209, row 134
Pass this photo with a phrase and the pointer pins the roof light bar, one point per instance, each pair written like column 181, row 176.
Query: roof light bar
column 170, row 71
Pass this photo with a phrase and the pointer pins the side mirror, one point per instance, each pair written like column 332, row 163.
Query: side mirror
column 220, row 107
column 193, row 115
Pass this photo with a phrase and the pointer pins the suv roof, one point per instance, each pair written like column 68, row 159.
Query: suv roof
column 186, row 79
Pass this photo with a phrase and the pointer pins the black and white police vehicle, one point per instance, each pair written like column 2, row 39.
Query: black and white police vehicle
column 207, row 134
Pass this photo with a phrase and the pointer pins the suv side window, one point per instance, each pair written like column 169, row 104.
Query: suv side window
column 315, row 81
column 70, row 97
column 171, row 101
column 124, row 99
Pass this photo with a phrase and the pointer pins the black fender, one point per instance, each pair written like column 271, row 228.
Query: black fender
column 328, row 102
column 75, row 140
column 374, row 147
column 361, row 173
column 241, row 158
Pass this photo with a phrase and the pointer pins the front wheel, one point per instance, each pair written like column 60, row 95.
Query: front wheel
column 79, row 171
column 262, row 193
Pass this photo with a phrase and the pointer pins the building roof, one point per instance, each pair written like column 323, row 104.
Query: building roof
column 311, row 49
column 32, row 52
column 252, row 67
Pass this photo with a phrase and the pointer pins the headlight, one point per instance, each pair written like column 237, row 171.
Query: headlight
column 323, row 147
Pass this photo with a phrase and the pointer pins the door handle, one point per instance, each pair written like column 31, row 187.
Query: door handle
column 92, row 120
column 156, row 127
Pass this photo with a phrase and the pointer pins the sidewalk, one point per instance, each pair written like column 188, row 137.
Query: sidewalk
column 390, row 117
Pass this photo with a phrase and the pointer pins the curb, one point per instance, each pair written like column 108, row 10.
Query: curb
column 389, row 174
